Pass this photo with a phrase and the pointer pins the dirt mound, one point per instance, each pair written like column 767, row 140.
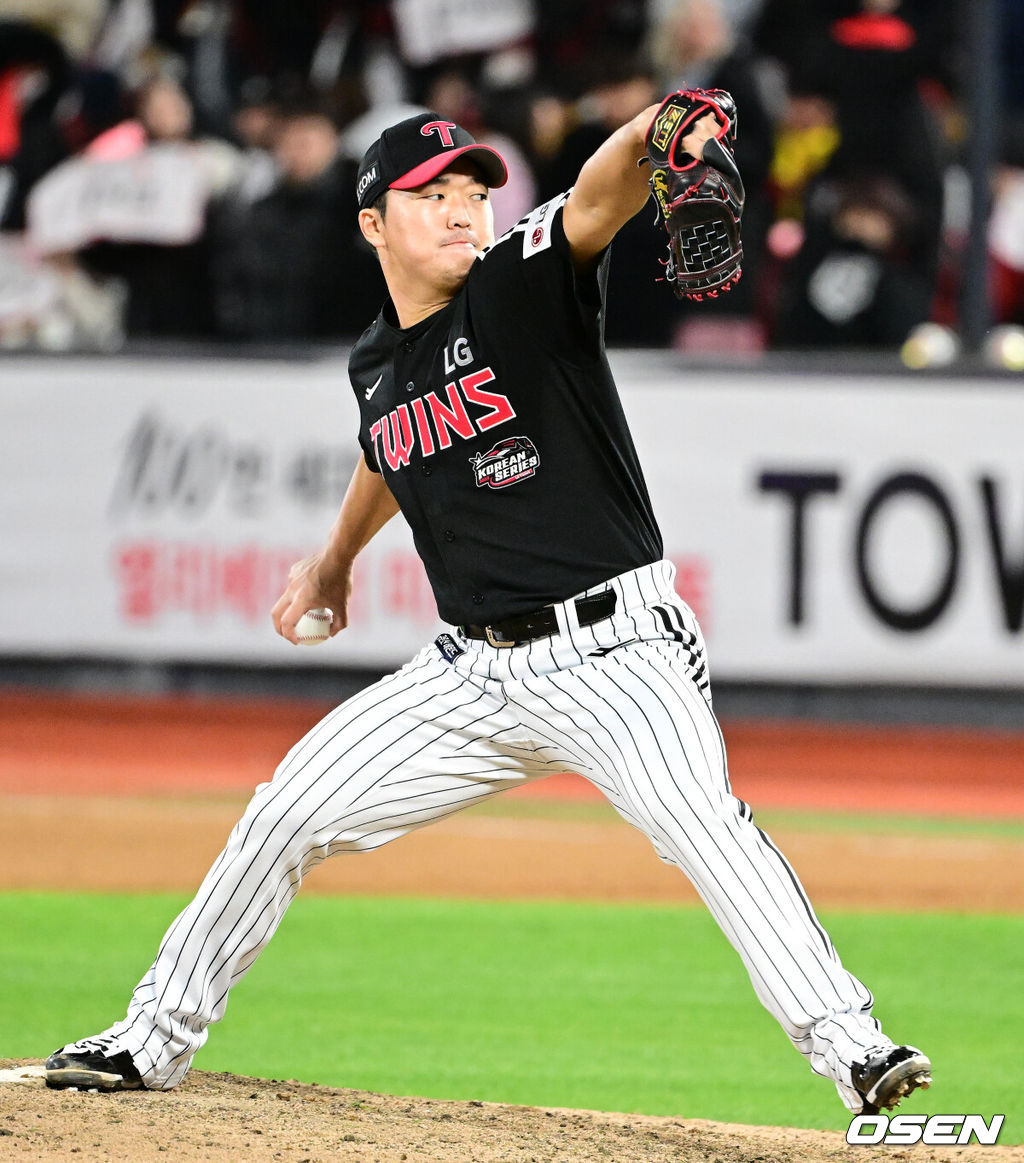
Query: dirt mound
column 220, row 1117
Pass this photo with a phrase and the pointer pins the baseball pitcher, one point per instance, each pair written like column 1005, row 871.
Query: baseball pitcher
column 490, row 419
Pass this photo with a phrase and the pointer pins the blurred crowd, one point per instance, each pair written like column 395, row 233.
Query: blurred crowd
column 185, row 168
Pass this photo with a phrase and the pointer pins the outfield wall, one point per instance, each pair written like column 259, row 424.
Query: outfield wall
column 828, row 527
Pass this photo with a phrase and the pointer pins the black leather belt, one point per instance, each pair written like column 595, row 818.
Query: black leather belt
column 540, row 623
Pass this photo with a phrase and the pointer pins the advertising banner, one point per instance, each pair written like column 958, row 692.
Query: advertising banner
column 839, row 529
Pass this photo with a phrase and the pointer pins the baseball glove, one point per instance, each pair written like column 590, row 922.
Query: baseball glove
column 701, row 199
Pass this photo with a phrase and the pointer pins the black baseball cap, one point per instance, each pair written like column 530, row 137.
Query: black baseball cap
column 415, row 151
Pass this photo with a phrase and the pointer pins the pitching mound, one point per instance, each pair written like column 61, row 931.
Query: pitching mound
column 220, row 1117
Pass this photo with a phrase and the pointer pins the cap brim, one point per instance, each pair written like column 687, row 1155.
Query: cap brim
column 489, row 160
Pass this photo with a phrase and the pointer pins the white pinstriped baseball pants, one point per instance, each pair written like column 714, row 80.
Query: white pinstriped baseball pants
column 624, row 703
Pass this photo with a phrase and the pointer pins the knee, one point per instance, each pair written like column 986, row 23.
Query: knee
column 294, row 825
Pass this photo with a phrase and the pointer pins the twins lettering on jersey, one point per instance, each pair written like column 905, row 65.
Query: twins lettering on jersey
column 434, row 423
column 466, row 410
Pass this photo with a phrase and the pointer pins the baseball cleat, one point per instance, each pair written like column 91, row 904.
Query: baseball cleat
column 79, row 1067
column 889, row 1075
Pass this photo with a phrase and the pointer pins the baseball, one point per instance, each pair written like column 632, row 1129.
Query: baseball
column 314, row 627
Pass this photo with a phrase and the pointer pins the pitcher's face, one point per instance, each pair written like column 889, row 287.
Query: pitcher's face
column 430, row 237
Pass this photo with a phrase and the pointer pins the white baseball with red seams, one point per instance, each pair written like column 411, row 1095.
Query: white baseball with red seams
column 314, row 627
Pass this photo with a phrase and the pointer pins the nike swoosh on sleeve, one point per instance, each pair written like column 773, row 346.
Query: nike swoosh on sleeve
column 369, row 391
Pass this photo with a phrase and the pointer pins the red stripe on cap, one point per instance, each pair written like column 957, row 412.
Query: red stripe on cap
column 875, row 30
column 428, row 170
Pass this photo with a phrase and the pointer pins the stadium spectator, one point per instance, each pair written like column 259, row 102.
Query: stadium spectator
column 291, row 265
column 92, row 206
column 1006, row 234
column 34, row 74
column 806, row 138
column 577, row 40
column 75, row 24
column 255, row 125
column 869, row 59
column 542, row 82
column 854, row 282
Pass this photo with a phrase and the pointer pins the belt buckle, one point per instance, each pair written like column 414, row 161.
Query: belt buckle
column 494, row 640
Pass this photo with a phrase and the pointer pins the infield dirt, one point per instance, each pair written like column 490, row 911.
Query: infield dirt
column 220, row 1117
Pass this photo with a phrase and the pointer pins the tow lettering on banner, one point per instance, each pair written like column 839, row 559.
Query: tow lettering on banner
column 805, row 494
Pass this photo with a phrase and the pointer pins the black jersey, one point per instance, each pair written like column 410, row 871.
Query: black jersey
column 498, row 428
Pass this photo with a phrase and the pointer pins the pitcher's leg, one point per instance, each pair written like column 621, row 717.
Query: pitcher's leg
column 385, row 762
column 662, row 763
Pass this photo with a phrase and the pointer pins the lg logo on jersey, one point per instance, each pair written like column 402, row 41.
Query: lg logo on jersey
column 460, row 354
column 936, row 1131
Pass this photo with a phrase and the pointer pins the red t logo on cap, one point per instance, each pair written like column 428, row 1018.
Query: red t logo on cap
column 443, row 129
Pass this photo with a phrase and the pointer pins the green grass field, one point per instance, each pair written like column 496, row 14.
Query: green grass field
column 620, row 1008
column 807, row 820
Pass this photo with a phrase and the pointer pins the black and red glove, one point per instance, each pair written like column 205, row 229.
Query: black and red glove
column 701, row 199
